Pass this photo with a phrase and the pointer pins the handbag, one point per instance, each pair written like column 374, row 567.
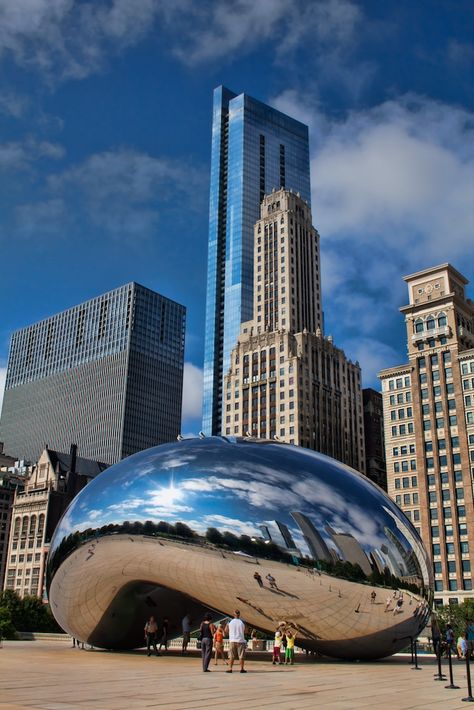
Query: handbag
column 198, row 644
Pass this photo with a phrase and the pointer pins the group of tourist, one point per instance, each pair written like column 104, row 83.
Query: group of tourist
column 460, row 647
column 152, row 634
column 211, row 637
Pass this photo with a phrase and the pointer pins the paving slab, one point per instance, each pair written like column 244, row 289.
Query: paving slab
column 52, row 676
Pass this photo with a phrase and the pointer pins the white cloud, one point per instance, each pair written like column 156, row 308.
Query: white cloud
column 21, row 155
column 3, row 375
column 123, row 190
column 13, row 104
column 70, row 39
column 392, row 193
column 192, row 391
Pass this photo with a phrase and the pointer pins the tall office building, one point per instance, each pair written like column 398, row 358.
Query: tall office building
column 254, row 150
column 375, row 466
column 429, row 425
column 285, row 379
column 106, row 375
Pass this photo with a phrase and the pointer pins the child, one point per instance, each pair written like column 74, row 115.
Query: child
column 277, row 646
column 219, row 644
column 290, row 647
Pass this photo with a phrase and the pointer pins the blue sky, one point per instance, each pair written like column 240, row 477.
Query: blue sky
column 105, row 113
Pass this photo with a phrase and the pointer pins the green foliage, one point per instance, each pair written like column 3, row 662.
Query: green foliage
column 7, row 630
column 27, row 614
column 458, row 615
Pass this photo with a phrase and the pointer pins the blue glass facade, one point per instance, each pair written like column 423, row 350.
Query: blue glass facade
column 255, row 149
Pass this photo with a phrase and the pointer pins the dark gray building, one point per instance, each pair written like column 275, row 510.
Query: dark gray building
column 106, row 374
column 375, row 464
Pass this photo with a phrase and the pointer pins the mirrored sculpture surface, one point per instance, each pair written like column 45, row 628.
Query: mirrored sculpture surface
column 206, row 524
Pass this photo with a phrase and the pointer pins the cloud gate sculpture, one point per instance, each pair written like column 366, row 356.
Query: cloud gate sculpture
column 184, row 527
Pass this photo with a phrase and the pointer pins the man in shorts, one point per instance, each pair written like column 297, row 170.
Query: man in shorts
column 235, row 629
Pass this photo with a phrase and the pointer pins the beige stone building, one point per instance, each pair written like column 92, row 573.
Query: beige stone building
column 429, row 425
column 286, row 379
column 54, row 481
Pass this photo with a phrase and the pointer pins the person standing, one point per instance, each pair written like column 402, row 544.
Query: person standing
column 258, row 578
column 290, row 647
column 164, row 634
column 207, row 630
column 236, row 631
column 219, row 644
column 470, row 637
column 277, row 647
column 272, row 581
column 151, row 628
column 373, row 597
column 450, row 640
column 186, row 627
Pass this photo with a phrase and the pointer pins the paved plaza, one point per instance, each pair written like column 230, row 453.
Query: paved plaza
column 54, row 676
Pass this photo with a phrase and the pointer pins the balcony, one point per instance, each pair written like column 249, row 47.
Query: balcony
column 439, row 332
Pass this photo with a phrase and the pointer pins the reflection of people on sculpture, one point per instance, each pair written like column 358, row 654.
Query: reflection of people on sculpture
column 207, row 631
column 258, row 578
column 388, row 604
column 235, row 629
column 186, row 627
column 151, row 628
column 272, row 581
column 398, row 606
column 373, row 596
column 219, row 644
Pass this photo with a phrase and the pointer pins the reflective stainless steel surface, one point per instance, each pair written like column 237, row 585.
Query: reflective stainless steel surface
column 184, row 527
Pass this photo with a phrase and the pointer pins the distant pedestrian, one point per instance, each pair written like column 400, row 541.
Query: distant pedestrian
column 207, row 630
column 290, row 647
column 388, row 604
column 236, row 631
column 435, row 635
column 277, row 642
column 470, row 637
column 164, row 634
column 271, row 581
column 373, row 597
column 151, row 629
column 450, row 640
column 259, row 579
column 186, row 628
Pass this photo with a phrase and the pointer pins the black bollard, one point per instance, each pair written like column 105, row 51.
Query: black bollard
column 416, row 667
column 451, row 685
column 469, row 698
column 439, row 675
column 412, row 659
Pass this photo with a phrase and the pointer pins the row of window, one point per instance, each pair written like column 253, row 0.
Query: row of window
column 448, row 530
column 404, row 466
column 401, row 413
column 408, row 499
column 430, row 323
column 445, row 495
column 406, row 482
column 443, row 460
column 399, row 382
column 450, row 548
column 448, row 513
column 453, row 585
column 434, row 360
column 403, row 450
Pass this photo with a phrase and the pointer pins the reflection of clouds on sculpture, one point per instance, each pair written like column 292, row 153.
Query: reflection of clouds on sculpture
column 182, row 522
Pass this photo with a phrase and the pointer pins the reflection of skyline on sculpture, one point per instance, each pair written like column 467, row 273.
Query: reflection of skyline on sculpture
column 263, row 494
column 232, row 503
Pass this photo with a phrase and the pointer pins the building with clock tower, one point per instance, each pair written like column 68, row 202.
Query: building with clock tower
column 428, row 406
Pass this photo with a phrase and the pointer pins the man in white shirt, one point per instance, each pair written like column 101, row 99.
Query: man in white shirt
column 235, row 629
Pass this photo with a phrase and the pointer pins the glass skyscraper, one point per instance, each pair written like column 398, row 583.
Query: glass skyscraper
column 106, row 375
column 255, row 149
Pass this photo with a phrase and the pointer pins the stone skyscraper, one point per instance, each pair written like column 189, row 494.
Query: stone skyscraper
column 286, row 380
column 429, row 425
column 255, row 149
column 106, row 375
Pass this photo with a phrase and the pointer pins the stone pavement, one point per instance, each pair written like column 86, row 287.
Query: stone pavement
column 54, row 676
